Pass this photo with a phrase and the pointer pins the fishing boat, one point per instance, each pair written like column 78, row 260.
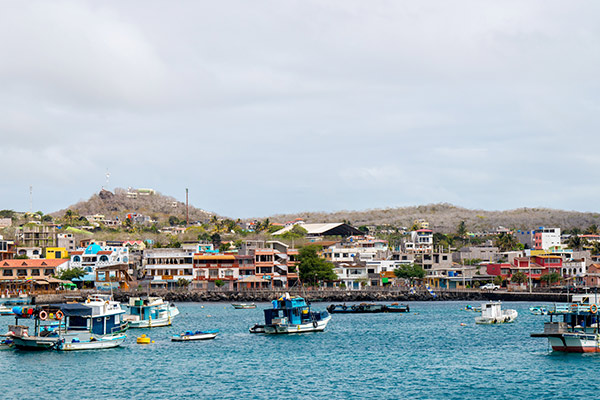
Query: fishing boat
column 197, row 335
column 150, row 312
column 95, row 324
column 492, row 313
column 578, row 332
column 291, row 315
column 538, row 310
column 367, row 308
column 240, row 306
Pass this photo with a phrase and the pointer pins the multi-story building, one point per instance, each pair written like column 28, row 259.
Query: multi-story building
column 25, row 275
column 540, row 239
column 29, row 252
column 7, row 249
column 421, row 241
column 235, row 271
column 165, row 267
column 32, row 235
column 66, row 240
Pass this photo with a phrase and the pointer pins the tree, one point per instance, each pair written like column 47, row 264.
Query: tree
column 551, row 278
column 592, row 229
column 519, row 277
column 71, row 273
column 576, row 242
column 410, row 271
column 297, row 232
column 215, row 238
column 182, row 282
column 506, row 242
column 461, row 230
column 219, row 283
column 173, row 220
column 313, row 268
column 596, row 248
column 498, row 280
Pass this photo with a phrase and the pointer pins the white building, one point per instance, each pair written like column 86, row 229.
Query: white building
column 164, row 267
column 540, row 239
column 421, row 241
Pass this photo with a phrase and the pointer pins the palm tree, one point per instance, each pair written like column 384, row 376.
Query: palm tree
column 506, row 242
column 576, row 242
column 592, row 229
column 596, row 248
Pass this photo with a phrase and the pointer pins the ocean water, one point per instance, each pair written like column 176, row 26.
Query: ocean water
column 425, row 354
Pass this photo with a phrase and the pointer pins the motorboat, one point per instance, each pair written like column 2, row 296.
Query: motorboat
column 95, row 324
column 291, row 315
column 577, row 332
column 150, row 312
column 492, row 313
column 538, row 310
column 197, row 335
column 367, row 308
column 241, row 306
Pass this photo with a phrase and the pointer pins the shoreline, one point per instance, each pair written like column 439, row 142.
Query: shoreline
column 319, row 296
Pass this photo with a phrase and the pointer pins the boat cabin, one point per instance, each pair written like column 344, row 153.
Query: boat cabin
column 288, row 310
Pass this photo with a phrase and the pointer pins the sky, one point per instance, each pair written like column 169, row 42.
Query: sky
column 267, row 107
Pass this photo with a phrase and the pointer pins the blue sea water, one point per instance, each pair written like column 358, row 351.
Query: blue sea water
column 425, row 354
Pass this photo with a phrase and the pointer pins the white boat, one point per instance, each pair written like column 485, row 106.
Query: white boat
column 149, row 312
column 240, row 306
column 197, row 335
column 539, row 310
column 95, row 324
column 292, row 315
column 5, row 310
column 492, row 313
column 577, row 332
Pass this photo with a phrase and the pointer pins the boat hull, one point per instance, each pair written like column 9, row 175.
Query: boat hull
column 35, row 342
column 155, row 322
column 314, row 326
column 575, row 343
column 105, row 342
column 243, row 306
column 187, row 338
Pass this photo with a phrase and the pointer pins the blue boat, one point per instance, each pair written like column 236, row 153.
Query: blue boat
column 291, row 315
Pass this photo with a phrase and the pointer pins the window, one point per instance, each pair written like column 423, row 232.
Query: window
column 49, row 271
column 7, row 272
column 35, row 272
column 21, row 272
column 76, row 259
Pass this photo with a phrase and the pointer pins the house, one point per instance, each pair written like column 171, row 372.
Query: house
column 95, row 256
column 421, row 241
column 56, row 253
column 29, row 252
column 592, row 278
column 66, row 240
column 30, row 275
column 227, row 268
column 31, row 235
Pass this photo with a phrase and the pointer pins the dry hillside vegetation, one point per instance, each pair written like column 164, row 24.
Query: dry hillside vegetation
column 117, row 204
column 446, row 217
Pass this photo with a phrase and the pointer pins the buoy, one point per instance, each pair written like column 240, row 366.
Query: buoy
column 208, row 316
column 463, row 324
column 144, row 340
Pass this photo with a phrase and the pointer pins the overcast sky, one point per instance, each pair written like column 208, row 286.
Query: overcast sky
column 264, row 107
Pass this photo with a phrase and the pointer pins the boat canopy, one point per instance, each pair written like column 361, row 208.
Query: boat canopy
column 74, row 309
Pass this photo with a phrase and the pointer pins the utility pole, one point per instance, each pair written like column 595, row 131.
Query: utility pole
column 31, row 199
column 187, row 209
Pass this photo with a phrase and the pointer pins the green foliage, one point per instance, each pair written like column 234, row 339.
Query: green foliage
column 410, row 271
column 592, row 229
column 7, row 214
column 173, row 220
column 313, row 268
column 518, row 277
column 174, row 243
column 472, row 261
column 363, row 228
column 551, row 278
column 274, row 228
column 219, row 283
column 182, row 282
column 71, row 273
column 21, row 257
column 498, row 280
column 576, row 242
column 297, row 232
column 507, row 242
column 461, row 229
column 215, row 238
column 225, row 246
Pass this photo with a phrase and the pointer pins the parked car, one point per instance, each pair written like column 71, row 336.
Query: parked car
column 490, row 286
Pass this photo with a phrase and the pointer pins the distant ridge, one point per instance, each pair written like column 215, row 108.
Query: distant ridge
column 122, row 201
column 445, row 217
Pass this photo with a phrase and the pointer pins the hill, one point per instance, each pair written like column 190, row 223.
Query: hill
column 446, row 217
column 121, row 202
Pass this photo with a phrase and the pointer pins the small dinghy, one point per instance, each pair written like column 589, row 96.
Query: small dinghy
column 243, row 306
column 198, row 335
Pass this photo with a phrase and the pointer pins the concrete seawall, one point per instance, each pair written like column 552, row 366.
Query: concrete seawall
column 316, row 295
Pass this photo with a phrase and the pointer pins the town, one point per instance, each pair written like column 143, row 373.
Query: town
column 41, row 255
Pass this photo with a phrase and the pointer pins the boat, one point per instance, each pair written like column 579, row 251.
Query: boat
column 4, row 310
column 367, row 308
column 95, row 324
column 240, row 306
column 469, row 307
column 197, row 335
column 578, row 332
column 539, row 310
column 291, row 315
column 150, row 312
column 396, row 307
column 492, row 313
